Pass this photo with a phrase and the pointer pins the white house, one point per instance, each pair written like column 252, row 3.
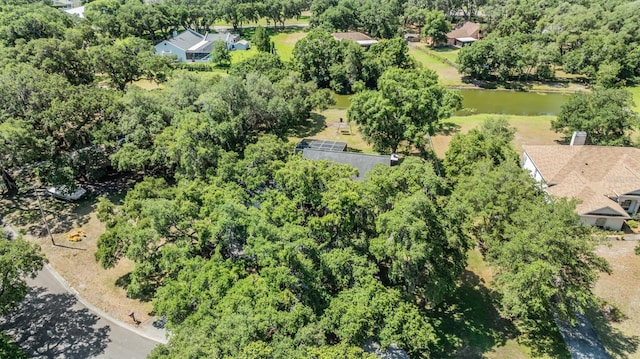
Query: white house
column 192, row 46
column 606, row 180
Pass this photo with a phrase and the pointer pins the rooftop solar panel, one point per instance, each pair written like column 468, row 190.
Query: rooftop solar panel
column 323, row 145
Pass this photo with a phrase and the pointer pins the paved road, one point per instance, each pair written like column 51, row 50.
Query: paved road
column 52, row 323
column 581, row 340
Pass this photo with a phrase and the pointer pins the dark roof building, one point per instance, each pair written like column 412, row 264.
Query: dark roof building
column 337, row 152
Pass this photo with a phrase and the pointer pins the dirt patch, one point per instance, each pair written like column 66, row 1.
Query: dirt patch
column 621, row 290
column 75, row 260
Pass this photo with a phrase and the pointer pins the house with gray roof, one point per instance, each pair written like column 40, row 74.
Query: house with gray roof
column 190, row 45
column 337, row 152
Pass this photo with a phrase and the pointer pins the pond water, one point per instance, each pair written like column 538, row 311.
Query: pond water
column 502, row 102
column 512, row 102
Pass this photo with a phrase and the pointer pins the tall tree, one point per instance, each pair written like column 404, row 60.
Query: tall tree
column 491, row 141
column 313, row 56
column 406, row 108
column 605, row 114
column 18, row 260
column 548, row 266
column 220, row 53
column 128, row 60
column 261, row 39
column 436, row 26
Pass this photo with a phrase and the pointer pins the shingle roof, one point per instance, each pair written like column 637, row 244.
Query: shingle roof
column 186, row 39
column 593, row 174
column 362, row 162
column 466, row 30
column 352, row 35
column 192, row 41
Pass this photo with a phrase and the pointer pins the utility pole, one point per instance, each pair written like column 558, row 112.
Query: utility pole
column 44, row 219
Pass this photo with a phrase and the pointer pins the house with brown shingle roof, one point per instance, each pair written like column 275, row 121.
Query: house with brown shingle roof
column 605, row 179
column 359, row 38
column 464, row 34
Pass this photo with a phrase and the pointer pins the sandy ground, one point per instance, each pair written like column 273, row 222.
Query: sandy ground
column 75, row 261
column 621, row 289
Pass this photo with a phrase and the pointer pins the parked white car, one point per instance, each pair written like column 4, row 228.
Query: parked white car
column 65, row 193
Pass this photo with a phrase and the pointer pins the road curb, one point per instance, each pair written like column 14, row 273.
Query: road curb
column 99, row 311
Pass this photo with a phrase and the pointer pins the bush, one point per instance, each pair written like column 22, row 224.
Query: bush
column 632, row 223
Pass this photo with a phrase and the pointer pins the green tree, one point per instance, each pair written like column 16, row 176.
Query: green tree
column 605, row 114
column 491, row 141
column 45, row 123
column 485, row 200
column 220, row 53
column 130, row 59
column 436, row 26
column 548, row 266
column 103, row 16
column 261, row 40
column 269, row 65
column 422, row 254
column 313, row 56
column 406, row 108
column 18, row 260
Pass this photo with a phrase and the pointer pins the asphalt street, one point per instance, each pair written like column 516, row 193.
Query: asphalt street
column 52, row 323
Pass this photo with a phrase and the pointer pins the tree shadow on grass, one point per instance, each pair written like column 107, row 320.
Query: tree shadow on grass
column 470, row 323
column 618, row 344
column 448, row 129
column 312, row 126
column 48, row 325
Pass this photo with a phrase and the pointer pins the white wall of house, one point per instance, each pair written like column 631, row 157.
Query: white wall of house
column 167, row 49
column 632, row 205
column 612, row 223
column 528, row 164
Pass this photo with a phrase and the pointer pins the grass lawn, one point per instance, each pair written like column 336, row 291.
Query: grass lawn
column 621, row 290
column 303, row 19
column 448, row 74
column 448, row 52
column 530, row 130
column 323, row 125
column 635, row 91
column 285, row 42
column 472, row 327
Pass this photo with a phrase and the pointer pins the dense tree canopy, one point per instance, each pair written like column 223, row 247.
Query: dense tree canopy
column 606, row 115
column 344, row 66
column 544, row 257
column 596, row 39
column 288, row 255
column 406, row 108
column 491, row 141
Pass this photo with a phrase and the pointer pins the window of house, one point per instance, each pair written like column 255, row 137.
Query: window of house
column 626, row 204
column 600, row 222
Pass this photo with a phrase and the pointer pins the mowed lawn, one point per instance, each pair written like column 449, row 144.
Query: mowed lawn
column 447, row 74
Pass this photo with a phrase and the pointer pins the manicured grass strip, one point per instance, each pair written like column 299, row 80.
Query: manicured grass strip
column 448, row 74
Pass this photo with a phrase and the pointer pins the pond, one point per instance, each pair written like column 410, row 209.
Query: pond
column 502, row 102
column 511, row 102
